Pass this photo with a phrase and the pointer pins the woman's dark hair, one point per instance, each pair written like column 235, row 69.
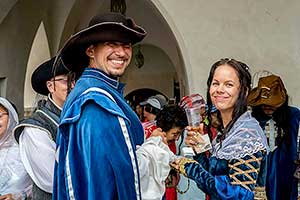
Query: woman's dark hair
column 171, row 116
column 240, row 105
column 281, row 116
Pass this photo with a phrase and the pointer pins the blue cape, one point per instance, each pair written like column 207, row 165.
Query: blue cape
column 97, row 139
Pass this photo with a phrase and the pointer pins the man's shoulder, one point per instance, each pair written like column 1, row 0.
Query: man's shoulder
column 85, row 90
column 32, row 130
column 28, row 128
column 295, row 115
column 294, row 110
column 92, row 95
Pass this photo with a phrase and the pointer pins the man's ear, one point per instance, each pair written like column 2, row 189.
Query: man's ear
column 50, row 86
column 90, row 51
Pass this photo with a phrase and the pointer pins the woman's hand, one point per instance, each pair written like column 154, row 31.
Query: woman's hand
column 6, row 197
column 193, row 136
column 179, row 164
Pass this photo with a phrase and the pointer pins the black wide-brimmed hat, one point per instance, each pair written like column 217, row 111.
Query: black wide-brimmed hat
column 46, row 72
column 109, row 27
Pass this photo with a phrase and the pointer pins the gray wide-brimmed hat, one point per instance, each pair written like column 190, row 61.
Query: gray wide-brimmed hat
column 109, row 27
column 44, row 73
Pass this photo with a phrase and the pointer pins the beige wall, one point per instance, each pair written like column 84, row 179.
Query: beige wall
column 17, row 31
column 264, row 34
column 188, row 37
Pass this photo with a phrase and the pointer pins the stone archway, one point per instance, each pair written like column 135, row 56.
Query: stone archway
column 38, row 54
column 63, row 18
column 162, row 35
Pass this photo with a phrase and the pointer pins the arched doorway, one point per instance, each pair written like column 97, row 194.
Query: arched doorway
column 63, row 19
column 39, row 53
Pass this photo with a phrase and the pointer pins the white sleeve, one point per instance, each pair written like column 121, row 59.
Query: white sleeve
column 153, row 158
column 38, row 156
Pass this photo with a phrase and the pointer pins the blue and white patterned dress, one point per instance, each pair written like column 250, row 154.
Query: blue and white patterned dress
column 236, row 169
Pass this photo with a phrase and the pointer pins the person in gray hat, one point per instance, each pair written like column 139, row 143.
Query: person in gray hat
column 152, row 106
column 101, row 150
column 36, row 135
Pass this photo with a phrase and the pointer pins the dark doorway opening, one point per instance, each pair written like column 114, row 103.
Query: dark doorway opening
column 137, row 96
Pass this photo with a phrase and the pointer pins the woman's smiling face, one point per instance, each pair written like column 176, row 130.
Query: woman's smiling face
column 225, row 88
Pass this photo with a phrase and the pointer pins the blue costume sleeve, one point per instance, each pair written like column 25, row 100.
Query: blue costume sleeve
column 97, row 157
column 228, row 191
column 202, row 159
column 204, row 180
column 238, row 184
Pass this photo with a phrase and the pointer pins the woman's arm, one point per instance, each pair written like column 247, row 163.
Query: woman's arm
column 238, row 184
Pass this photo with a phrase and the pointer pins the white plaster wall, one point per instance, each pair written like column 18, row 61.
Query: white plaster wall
column 263, row 34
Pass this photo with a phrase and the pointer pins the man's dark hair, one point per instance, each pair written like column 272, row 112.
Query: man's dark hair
column 171, row 116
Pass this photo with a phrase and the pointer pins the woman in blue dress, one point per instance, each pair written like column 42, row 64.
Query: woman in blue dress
column 236, row 168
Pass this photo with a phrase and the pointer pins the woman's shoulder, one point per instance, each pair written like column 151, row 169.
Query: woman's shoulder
column 246, row 120
column 245, row 138
column 249, row 126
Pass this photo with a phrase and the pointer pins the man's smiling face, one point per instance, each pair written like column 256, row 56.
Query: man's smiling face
column 110, row 57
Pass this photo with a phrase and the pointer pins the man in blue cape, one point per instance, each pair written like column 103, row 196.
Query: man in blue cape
column 280, row 122
column 98, row 136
